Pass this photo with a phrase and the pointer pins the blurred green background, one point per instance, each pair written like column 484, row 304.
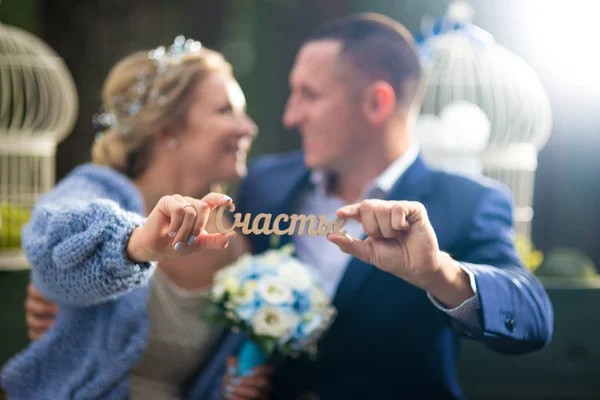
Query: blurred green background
column 261, row 37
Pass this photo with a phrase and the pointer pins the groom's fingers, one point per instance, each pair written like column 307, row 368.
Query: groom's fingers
column 383, row 214
column 384, row 218
column 399, row 213
column 350, row 211
column 369, row 219
column 374, row 215
column 361, row 249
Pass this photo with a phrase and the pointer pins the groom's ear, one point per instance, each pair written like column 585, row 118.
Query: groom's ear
column 379, row 102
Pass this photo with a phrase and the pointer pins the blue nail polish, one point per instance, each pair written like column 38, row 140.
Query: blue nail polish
column 226, row 198
column 232, row 371
column 178, row 246
column 235, row 381
column 231, row 239
column 191, row 240
column 171, row 234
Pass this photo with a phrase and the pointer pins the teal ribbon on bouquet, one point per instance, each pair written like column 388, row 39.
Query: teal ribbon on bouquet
column 251, row 355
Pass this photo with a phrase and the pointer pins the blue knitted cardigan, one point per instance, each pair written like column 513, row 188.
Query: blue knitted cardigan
column 75, row 243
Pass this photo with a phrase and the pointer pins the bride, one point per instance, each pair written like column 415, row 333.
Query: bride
column 174, row 124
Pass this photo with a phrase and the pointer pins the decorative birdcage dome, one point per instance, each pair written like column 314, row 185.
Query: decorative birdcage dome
column 38, row 108
column 484, row 110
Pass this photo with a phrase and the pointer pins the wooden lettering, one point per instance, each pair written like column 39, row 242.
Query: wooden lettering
column 266, row 229
column 278, row 219
column 219, row 219
column 245, row 225
column 303, row 219
column 300, row 221
column 338, row 224
column 324, row 226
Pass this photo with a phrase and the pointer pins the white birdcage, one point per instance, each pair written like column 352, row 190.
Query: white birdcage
column 484, row 111
column 38, row 108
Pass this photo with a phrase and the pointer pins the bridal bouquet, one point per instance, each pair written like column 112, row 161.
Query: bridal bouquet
column 273, row 299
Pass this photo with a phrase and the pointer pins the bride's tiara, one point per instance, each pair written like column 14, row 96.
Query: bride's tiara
column 145, row 91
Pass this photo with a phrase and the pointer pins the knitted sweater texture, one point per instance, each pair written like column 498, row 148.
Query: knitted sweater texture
column 75, row 243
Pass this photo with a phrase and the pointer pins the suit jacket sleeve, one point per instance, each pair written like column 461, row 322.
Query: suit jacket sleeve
column 516, row 314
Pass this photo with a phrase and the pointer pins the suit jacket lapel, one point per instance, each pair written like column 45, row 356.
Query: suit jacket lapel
column 414, row 185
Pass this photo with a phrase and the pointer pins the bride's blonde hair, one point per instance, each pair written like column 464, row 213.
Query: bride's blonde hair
column 145, row 92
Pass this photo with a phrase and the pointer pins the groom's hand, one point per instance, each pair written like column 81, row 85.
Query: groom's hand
column 40, row 313
column 400, row 240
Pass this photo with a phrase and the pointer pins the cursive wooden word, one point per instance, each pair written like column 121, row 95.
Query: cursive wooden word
column 262, row 224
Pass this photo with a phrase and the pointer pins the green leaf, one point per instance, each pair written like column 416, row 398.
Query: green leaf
column 214, row 314
column 288, row 249
column 287, row 348
column 267, row 344
column 274, row 241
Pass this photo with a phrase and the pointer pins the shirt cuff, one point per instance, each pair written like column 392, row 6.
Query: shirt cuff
column 466, row 312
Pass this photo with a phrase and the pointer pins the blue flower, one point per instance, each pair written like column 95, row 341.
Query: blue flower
column 256, row 271
column 302, row 304
column 247, row 310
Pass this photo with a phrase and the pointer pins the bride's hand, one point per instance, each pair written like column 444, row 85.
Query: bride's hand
column 176, row 227
column 253, row 386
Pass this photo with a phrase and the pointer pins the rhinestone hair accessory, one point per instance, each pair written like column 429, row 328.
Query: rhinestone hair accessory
column 144, row 91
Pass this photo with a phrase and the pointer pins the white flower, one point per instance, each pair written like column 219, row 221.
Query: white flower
column 232, row 316
column 241, row 264
column 294, row 274
column 246, row 311
column 218, row 291
column 269, row 258
column 273, row 322
column 220, row 275
column 244, row 261
column 246, row 293
column 232, row 285
column 318, row 298
column 229, row 305
column 310, row 326
column 274, row 291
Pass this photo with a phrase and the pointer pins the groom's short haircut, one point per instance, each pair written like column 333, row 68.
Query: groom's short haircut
column 379, row 48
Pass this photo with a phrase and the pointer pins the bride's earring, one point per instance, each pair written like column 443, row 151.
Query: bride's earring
column 172, row 143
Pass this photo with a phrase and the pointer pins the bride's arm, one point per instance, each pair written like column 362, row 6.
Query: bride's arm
column 190, row 272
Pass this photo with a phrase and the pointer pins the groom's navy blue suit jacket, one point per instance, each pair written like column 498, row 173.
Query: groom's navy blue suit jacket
column 388, row 340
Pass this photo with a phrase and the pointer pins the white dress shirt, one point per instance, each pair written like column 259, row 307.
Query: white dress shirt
column 329, row 263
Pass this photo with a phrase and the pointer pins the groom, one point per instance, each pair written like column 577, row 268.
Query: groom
column 438, row 262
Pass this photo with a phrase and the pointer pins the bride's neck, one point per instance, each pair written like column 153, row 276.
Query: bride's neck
column 158, row 180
